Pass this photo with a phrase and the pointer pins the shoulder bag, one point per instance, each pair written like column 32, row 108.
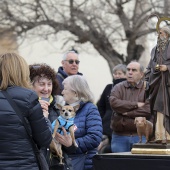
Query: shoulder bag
column 39, row 155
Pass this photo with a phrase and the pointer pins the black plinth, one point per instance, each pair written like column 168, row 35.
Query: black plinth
column 129, row 161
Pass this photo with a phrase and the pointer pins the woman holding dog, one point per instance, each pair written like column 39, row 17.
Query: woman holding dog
column 88, row 124
column 16, row 149
column 43, row 79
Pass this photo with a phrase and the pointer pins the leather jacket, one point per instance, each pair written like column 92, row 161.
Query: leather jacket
column 124, row 99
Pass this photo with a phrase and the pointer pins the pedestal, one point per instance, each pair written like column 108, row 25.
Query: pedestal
column 160, row 149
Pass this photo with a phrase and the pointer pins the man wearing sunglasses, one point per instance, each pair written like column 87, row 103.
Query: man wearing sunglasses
column 70, row 66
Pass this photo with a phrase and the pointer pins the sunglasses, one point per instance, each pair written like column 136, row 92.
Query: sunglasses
column 72, row 61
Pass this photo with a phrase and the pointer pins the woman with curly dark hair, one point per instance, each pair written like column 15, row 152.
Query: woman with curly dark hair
column 46, row 86
column 44, row 82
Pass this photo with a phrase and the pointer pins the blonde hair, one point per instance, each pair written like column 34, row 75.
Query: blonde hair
column 14, row 71
column 79, row 85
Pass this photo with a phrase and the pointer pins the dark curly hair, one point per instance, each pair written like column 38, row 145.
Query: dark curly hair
column 44, row 70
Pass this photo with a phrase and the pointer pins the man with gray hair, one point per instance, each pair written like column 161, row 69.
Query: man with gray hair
column 127, row 100
column 70, row 66
column 158, row 76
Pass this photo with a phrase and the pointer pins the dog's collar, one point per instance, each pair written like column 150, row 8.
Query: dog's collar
column 75, row 104
column 67, row 120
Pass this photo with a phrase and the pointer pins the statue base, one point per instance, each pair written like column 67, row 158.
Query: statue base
column 151, row 148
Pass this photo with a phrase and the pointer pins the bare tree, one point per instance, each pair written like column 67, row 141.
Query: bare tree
column 111, row 26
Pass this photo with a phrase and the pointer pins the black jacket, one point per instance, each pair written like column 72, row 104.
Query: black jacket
column 16, row 150
column 105, row 109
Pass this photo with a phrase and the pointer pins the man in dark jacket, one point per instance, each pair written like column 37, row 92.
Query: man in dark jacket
column 127, row 99
column 70, row 66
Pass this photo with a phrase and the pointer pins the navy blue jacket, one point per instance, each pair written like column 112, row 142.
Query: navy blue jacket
column 61, row 75
column 16, row 150
column 88, row 131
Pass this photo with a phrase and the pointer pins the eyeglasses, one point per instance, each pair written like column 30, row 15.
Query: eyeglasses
column 72, row 61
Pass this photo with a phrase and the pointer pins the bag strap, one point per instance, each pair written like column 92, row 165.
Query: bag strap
column 20, row 115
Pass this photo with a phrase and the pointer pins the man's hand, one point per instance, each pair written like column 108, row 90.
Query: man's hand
column 140, row 104
column 64, row 139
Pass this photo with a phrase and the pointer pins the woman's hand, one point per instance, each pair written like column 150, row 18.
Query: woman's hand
column 45, row 113
column 44, row 105
column 64, row 139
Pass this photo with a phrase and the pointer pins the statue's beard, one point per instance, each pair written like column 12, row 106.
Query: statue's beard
column 161, row 43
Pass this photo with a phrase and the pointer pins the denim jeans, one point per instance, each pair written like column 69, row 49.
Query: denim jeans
column 120, row 143
column 78, row 161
